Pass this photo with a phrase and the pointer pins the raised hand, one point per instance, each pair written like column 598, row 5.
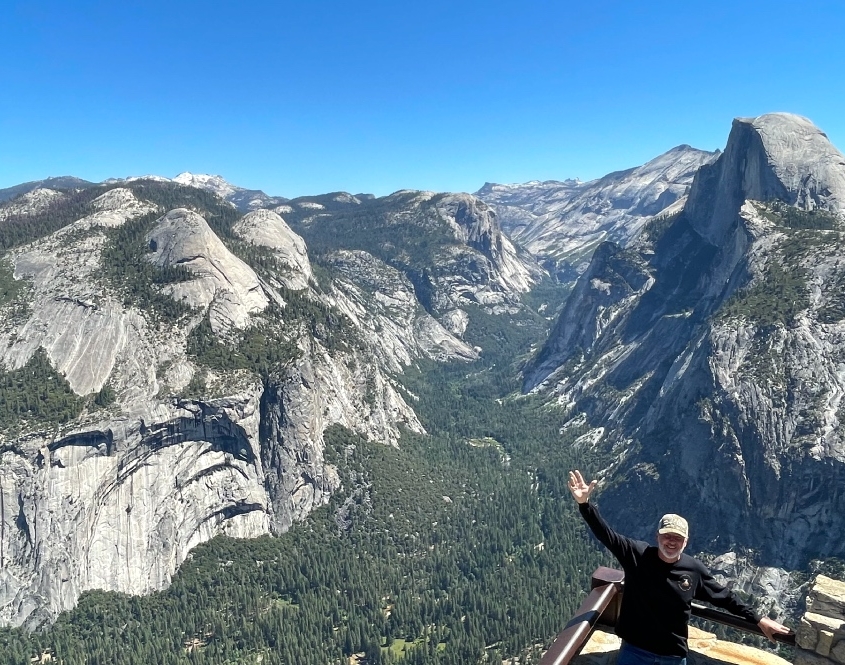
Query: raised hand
column 580, row 489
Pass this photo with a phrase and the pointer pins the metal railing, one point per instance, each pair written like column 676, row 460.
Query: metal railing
column 601, row 606
column 601, row 603
column 728, row 619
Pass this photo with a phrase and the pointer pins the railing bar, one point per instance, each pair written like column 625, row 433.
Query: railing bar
column 571, row 639
column 734, row 621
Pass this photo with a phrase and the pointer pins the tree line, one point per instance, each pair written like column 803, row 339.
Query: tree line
column 438, row 552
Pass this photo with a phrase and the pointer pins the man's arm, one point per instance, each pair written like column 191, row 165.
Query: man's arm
column 621, row 547
column 720, row 596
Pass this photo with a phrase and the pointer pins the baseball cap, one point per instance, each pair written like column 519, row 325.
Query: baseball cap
column 671, row 523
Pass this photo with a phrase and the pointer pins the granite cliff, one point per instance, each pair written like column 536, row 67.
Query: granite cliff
column 706, row 357
column 204, row 352
column 449, row 247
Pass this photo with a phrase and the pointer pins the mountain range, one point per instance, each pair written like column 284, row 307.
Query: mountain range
column 174, row 350
column 562, row 223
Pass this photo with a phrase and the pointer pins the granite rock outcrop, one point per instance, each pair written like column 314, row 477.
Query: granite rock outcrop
column 706, row 356
column 562, row 223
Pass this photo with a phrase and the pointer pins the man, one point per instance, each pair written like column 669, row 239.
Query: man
column 660, row 584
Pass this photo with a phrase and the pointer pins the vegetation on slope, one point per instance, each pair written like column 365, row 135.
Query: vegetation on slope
column 781, row 293
column 791, row 217
column 11, row 289
column 73, row 205
column 407, row 235
column 459, row 546
column 36, row 393
column 14, row 293
column 654, row 229
column 435, row 553
column 139, row 281
column 220, row 215
column 261, row 348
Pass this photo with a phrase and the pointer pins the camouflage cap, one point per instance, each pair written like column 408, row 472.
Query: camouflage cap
column 672, row 523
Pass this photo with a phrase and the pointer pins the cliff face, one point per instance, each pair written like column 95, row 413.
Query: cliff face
column 776, row 156
column 119, row 507
column 708, row 355
column 447, row 250
column 562, row 223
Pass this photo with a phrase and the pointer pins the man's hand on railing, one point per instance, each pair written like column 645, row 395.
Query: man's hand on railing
column 578, row 486
column 770, row 628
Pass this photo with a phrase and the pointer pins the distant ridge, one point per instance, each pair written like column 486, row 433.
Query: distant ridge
column 562, row 222
column 59, row 182
column 243, row 199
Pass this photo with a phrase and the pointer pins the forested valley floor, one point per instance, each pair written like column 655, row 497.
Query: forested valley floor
column 461, row 546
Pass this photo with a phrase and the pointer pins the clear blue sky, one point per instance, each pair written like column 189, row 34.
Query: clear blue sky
column 314, row 96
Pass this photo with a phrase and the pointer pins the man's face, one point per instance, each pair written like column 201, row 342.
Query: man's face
column 670, row 546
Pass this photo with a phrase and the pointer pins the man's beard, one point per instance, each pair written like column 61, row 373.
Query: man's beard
column 670, row 555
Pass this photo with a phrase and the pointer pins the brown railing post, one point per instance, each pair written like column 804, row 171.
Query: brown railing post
column 602, row 576
column 607, row 585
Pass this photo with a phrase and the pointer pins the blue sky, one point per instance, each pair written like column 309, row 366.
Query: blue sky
column 301, row 98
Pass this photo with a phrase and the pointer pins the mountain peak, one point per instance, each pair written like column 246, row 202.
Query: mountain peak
column 243, row 199
column 774, row 156
column 564, row 221
column 674, row 162
column 53, row 182
column 708, row 352
column 779, row 118
column 811, row 169
column 213, row 183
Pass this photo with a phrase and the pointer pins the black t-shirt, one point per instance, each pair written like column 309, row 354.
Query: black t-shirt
column 656, row 602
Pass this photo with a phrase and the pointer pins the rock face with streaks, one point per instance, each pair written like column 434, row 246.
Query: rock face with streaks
column 266, row 228
column 448, row 250
column 120, row 505
column 381, row 300
column 708, row 354
column 84, row 330
column 117, row 497
column 475, row 223
column 562, row 223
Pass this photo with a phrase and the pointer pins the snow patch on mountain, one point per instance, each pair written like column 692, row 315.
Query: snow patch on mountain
column 135, row 178
column 211, row 183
